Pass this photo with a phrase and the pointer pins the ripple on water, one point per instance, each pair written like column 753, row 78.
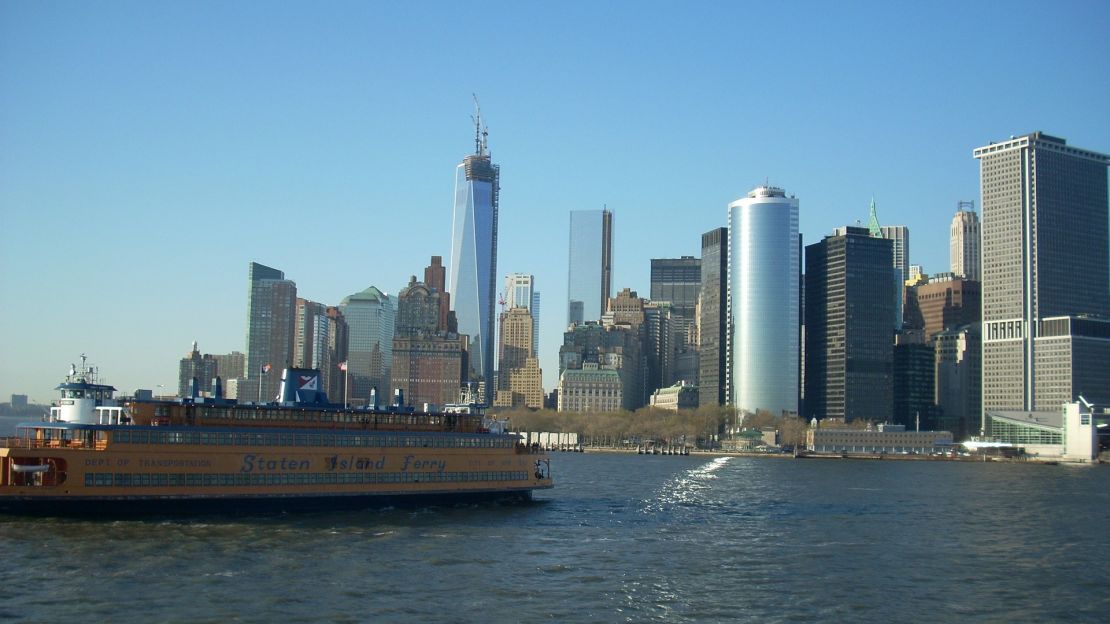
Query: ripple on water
column 674, row 539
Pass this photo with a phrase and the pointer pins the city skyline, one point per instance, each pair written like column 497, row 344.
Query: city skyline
column 141, row 171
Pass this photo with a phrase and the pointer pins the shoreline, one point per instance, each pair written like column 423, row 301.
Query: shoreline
column 1048, row 461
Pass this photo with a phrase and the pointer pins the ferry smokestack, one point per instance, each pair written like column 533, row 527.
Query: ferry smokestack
column 399, row 397
column 374, row 398
column 194, row 387
column 217, row 388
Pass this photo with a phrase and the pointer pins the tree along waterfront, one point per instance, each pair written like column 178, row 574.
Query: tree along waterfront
column 704, row 427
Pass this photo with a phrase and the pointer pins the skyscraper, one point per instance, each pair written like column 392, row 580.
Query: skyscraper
column 913, row 376
column 764, row 264
column 516, row 343
column 310, row 340
column 678, row 281
column 963, row 246
column 333, row 378
column 1044, row 249
column 589, row 275
column 195, row 367
column 958, row 357
column 370, row 317
column 271, row 303
column 849, row 326
column 472, row 273
column 520, row 292
column 713, row 341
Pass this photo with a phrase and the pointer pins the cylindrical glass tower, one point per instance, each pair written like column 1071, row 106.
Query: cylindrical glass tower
column 764, row 265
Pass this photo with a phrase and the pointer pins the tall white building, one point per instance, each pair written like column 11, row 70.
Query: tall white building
column 963, row 246
column 1046, row 278
column 764, row 268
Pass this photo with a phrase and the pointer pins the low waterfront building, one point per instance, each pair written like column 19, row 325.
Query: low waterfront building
column 1069, row 433
column 884, row 439
column 679, row 396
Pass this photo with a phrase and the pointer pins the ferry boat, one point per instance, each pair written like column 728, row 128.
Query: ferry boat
column 94, row 454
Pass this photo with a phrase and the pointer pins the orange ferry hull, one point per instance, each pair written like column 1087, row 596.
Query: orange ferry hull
column 93, row 455
column 243, row 505
column 134, row 470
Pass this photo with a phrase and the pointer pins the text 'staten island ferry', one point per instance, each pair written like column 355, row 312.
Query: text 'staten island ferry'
column 96, row 455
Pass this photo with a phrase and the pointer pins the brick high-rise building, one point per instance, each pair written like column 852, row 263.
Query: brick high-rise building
column 429, row 359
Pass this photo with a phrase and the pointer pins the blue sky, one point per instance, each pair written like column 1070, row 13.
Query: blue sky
column 150, row 150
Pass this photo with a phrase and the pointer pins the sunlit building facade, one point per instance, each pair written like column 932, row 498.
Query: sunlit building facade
column 1044, row 254
column 963, row 245
column 520, row 292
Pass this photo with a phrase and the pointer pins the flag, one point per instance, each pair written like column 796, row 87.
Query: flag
column 343, row 365
column 266, row 368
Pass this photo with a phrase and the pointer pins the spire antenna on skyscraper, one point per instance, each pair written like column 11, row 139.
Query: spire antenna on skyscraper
column 481, row 133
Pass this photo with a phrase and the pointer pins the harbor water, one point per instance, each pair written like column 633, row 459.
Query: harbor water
column 622, row 538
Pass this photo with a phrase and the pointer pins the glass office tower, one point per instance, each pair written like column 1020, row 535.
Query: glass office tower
column 849, row 326
column 590, row 268
column 764, row 271
column 271, row 316
column 472, row 272
column 371, row 320
column 714, row 318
